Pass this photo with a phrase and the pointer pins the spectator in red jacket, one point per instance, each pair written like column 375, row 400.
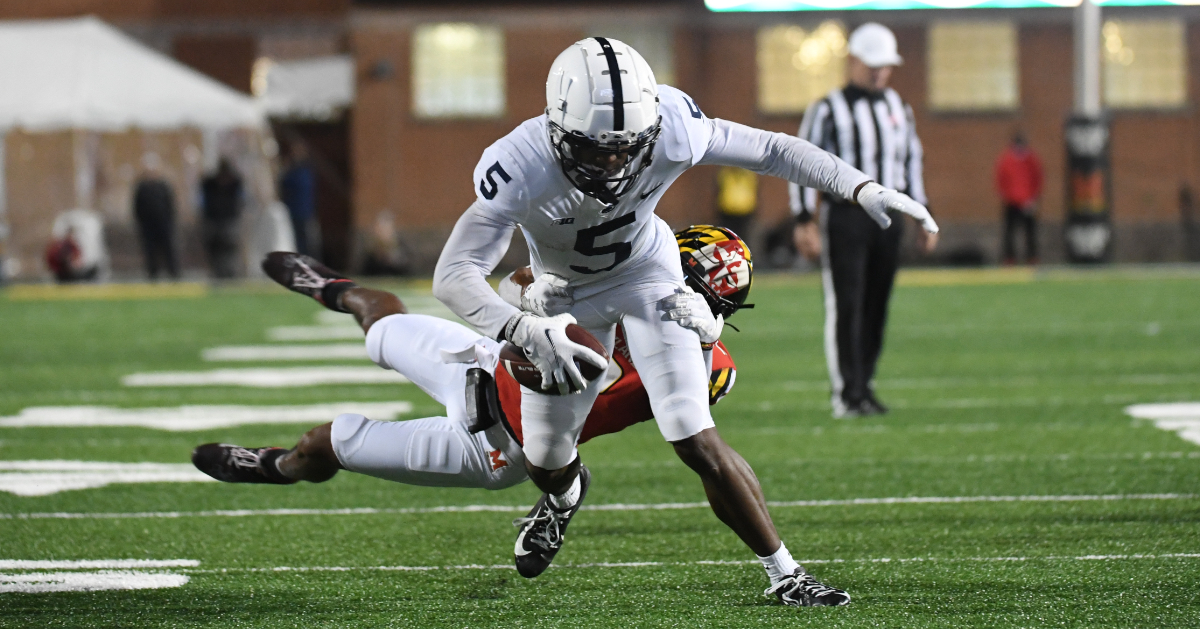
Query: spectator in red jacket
column 1019, row 182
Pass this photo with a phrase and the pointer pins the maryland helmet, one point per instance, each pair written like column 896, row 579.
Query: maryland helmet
column 716, row 264
column 602, row 114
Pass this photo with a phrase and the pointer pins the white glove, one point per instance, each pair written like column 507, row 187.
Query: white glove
column 877, row 200
column 545, row 342
column 690, row 310
column 547, row 296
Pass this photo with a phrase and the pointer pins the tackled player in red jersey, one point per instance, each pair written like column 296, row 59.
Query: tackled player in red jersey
column 467, row 447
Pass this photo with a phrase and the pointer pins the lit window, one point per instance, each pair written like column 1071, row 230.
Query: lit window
column 458, row 71
column 798, row 66
column 973, row 66
column 656, row 45
column 1145, row 63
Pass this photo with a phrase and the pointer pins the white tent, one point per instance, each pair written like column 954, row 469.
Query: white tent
column 306, row 89
column 84, row 74
column 88, row 79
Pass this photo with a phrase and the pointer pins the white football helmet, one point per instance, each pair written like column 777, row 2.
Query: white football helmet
column 602, row 130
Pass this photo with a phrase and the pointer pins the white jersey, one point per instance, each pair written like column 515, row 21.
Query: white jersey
column 519, row 182
column 571, row 234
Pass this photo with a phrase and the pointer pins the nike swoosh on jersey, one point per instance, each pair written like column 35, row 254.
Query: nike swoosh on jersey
column 651, row 191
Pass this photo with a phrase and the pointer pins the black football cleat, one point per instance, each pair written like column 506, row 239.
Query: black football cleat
column 876, row 407
column 304, row 275
column 802, row 590
column 543, row 530
column 235, row 464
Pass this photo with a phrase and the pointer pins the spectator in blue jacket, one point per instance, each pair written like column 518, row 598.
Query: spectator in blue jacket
column 297, row 190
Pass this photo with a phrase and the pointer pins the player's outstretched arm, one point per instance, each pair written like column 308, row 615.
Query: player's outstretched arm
column 475, row 247
column 781, row 155
column 801, row 162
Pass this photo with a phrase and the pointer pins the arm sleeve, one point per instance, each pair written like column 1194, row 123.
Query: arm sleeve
column 781, row 155
column 722, row 373
column 803, row 201
column 479, row 240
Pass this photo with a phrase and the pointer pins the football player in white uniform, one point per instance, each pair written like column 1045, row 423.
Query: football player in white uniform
column 582, row 182
column 478, row 442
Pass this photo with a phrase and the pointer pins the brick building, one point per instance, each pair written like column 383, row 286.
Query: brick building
column 418, row 167
column 437, row 82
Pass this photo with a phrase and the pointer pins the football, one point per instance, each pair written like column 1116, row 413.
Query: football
column 517, row 364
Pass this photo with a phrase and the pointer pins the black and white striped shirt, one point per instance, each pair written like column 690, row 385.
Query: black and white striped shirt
column 872, row 131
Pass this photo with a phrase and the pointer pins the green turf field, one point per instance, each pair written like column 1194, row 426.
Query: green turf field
column 1001, row 388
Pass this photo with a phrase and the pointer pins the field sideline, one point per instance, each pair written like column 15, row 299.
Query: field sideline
column 1009, row 487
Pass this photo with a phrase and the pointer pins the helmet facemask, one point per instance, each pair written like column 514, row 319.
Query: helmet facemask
column 604, row 169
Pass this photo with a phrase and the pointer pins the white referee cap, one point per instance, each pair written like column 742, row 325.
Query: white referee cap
column 875, row 45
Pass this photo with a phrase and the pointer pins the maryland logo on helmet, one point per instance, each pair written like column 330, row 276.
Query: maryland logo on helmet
column 717, row 264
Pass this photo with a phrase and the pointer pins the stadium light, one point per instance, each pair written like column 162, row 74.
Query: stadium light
column 729, row 6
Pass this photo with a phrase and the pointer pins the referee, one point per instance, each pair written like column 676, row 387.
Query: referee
column 868, row 125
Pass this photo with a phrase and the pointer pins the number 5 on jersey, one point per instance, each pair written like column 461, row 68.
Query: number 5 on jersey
column 488, row 186
column 585, row 243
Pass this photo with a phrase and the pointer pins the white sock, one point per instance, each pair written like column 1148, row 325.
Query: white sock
column 568, row 498
column 779, row 564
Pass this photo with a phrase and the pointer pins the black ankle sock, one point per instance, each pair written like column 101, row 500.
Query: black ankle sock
column 332, row 293
column 266, row 462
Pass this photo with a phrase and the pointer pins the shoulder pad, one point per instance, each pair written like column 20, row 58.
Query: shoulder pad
column 686, row 132
column 513, row 167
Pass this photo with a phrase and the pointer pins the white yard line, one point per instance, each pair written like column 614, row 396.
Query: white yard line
column 42, row 478
column 653, row 564
column 42, row 582
column 234, row 513
column 325, row 351
column 969, row 459
column 1181, row 417
column 94, row 564
column 192, row 418
column 265, row 378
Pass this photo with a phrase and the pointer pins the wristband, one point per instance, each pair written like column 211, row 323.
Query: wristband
column 511, row 327
column 860, row 187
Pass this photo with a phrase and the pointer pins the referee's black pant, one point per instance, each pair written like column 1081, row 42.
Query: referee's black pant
column 859, row 262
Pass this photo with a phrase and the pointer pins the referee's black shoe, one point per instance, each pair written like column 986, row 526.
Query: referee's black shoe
column 543, row 530
column 873, row 403
column 849, row 409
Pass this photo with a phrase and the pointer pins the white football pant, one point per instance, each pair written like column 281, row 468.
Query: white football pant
column 435, row 451
column 667, row 357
